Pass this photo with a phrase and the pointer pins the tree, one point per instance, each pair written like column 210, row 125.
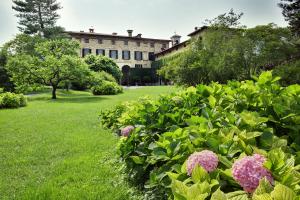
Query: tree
column 38, row 17
column 291, row 12
column 22, row 44
column 55, row 61
column 228, row 20
column 102, row 63
column 223, row 54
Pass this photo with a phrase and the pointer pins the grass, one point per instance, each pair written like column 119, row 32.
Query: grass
column 56, row 149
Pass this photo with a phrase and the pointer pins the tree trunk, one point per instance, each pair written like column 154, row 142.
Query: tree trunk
column 54, row 92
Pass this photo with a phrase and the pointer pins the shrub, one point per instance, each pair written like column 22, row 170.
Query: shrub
column 11, row 100
column 107, row 88
column 289, row 73
column 103, row 64
column 233, row 121
column 23, row 100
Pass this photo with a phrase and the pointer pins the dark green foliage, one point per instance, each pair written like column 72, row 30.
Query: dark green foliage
column 289, row 73
column 291, row 12
column 107, row 88
column 11, row 100
column 38, row 17
column 223, row 54
column 226, row 20
column 233, row 120
column 102, row 63
column 142, row 76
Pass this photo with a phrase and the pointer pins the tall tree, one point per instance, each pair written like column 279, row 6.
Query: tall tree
column 291, row 12
column 38, row 16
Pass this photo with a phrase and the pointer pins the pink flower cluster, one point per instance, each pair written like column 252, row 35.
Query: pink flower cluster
column 126, row 131
column 206, row 159
column 249, row 170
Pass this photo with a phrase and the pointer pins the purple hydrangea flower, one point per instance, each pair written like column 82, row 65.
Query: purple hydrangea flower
column 249, row 170
column 206, row 159
column 126, row 131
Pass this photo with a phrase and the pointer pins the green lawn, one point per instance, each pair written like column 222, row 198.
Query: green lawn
column 56, row 149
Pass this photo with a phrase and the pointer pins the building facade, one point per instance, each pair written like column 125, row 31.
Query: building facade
column 178, row 46
column 127, row 51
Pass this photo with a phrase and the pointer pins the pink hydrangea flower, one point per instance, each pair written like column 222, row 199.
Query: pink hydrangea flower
column 249, row 170
column 206, row 159
column 126, row 131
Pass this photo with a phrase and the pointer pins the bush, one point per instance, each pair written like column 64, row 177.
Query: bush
column 11, row 100
column 289, row 73
column 233, row 121
column 107, row 88
column 103, row 64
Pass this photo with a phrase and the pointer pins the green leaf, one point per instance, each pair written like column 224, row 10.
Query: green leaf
column 262, row 197
column 199, row 174
column 281, row 192
column 263, row 187
column 218, row 195
column 238, row 195
column 137, row 160
column 197, row 191
column 179, row 189
column 212, row 101
column 184, row 167
column 252, row 118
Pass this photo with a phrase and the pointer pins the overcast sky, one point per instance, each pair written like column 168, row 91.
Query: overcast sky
column 152, row 18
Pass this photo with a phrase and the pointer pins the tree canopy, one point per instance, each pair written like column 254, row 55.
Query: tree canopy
column 102, row 63
column 223, row 54
column 54, row 61
column 38, row 17
column 291, row 12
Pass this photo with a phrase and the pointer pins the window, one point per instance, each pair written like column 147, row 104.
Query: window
column 126, row 42
column 138, row 55
column 138, row 66
column 100, row 41
column 100, row 52
column 164, row 46
column 113, row 54
column 138, row 44
column 126, row 55
column 86, row 51
column 152, row 44
column 86, row 40
column 113, row 42
column 151, row 56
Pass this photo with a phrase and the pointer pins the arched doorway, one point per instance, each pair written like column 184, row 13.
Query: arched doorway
column 126, row 75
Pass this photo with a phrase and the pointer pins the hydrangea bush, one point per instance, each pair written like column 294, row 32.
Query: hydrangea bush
column 250, row 129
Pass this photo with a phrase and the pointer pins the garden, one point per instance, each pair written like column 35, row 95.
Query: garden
column 227, row 129
column 233, row 141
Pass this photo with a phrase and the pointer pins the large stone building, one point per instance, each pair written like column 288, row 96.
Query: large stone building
column 127, row 51
column 133, row 54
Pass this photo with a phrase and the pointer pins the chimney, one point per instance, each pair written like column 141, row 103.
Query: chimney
column 81, row 31
column 139, row 35
column 114, row 33
column 91, row 30
column 196, row 28
column 130, row 33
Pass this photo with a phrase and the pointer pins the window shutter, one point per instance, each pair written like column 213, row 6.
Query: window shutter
column 117, row 54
